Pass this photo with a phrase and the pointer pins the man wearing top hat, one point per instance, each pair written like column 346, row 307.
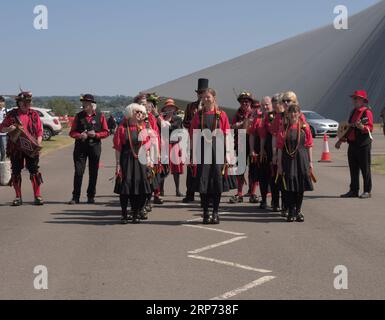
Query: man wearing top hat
column 23, row 116
column 88, row 129
column 191, row 109
column 359, row 138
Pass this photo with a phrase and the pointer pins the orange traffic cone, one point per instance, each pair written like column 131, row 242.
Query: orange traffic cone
column 326, row 153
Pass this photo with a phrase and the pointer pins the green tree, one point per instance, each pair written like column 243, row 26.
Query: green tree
column 61, row 107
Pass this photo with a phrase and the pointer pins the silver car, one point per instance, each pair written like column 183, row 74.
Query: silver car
column 319, row 125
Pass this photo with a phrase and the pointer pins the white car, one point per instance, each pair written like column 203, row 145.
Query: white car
column 319, row 125
column 51, row 123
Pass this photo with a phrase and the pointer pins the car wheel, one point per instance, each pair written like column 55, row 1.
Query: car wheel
column 47, row 134
column 312, row 132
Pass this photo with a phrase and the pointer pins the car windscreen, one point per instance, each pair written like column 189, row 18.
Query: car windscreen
column 313, row 116
column 51, row 113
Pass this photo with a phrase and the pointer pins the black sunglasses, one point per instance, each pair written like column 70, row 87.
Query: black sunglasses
column 287, row 101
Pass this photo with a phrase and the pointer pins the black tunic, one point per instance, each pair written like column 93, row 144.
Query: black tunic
column 134, row 174
column 296, row 168
column 210, row 179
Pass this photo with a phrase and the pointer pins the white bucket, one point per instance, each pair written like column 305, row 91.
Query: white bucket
column 5, row 172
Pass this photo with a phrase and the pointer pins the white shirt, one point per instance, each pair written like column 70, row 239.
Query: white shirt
column 2, row 117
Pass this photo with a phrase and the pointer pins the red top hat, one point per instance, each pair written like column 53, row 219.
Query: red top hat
column 360, row 94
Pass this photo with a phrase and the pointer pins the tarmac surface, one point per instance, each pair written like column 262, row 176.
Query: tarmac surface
column 252, row 254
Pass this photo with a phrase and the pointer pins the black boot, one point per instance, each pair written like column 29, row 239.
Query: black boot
column 135, row 217
column 206, row 217
column 215, row 218
column 124, row 218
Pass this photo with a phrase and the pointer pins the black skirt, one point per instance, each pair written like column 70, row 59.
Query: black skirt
column 296, row 168
column 135, row 178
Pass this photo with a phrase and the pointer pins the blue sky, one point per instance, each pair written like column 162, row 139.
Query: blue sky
column 121, row 47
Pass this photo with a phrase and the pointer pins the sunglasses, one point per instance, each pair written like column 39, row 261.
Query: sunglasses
column 287, row 101
column 137, row 111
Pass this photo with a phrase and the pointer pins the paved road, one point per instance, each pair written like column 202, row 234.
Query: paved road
column 252, row 254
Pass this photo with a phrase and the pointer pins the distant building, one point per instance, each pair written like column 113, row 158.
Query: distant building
column 323, row 66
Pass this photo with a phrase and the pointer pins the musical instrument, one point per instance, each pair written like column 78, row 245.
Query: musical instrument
column 25, row 142
column 345, row 128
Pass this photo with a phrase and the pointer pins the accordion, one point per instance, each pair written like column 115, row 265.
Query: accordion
column 24, row 142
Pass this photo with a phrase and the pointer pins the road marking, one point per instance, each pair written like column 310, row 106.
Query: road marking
column 215, row 245
column 248, row 286
column 199, row 219
column 213, row 229
column 193, row 220
column 228, row 263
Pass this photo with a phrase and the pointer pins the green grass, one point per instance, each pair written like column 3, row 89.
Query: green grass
column 378, row 164
column 56, row 143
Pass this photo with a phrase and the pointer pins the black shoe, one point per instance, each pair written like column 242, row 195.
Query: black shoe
column 17, row 202
column 135, row 217
column 253, row 199
column 188, row 199
column 300, row 218
column 236, row 199
column 350, row 194
column 276, row 209
column 263, row 206
column 179, row 194
column 366, row 195
column 38, row 201
column 74, row 201
column 91, row 200
column 290, row 218
column 124, row 220
column 206, row 218
column 143, row 215
column 158, row 200
column 215, row 218
column 148, row 206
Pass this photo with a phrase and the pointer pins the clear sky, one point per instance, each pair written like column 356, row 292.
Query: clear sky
column 122, row 47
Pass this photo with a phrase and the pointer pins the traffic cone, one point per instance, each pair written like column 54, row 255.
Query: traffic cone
column 326, row 153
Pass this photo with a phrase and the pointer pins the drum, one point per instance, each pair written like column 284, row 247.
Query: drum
column 25, row 142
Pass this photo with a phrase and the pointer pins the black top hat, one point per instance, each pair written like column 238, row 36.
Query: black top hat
column 203, row 84
column 87, row 97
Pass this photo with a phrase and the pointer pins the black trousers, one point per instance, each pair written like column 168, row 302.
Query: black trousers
column 214, row 197
column 294, row 202
column 190, row 184
column 137, row 202
column 360, row 160
column 266, row 180
column 17, row 163
column 81, row 153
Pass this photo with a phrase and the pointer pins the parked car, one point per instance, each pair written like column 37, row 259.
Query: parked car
column 51, row 123
column 319, row 125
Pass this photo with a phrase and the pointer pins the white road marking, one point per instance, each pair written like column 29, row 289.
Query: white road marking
column 215, row 245
column 213, row 229
column 193, row 220
column 248, row 286
column 231, row 264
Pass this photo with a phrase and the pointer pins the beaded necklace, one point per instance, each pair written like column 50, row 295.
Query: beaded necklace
column 290, row 152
